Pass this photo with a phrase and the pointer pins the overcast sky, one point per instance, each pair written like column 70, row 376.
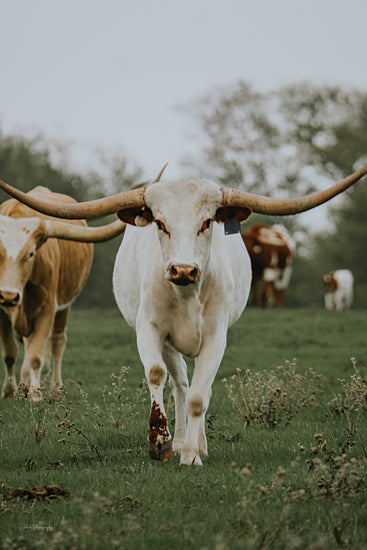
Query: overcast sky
column 112, row 73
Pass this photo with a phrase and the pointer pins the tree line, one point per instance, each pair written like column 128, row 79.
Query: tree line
column 287, row 142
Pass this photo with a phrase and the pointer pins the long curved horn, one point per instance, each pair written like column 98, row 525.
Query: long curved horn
column 81, row 210
column 283, row 207
column 83, row 233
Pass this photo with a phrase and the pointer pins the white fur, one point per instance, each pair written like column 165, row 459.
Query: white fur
column 14, row 233
column 172, row 320
column 284, row 236
column 278, row 236
column 342, row 297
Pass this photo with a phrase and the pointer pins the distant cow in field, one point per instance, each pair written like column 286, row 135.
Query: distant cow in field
column 339, row 293
column 40, row 277
column 181, row 281
column 271, row 249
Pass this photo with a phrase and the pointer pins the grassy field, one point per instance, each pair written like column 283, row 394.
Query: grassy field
column 268, row 481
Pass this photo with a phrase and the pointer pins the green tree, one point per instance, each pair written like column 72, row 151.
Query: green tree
column 290, row 142
column 26, row 162
column 328, row 125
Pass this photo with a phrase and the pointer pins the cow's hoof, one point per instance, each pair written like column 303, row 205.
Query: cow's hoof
column 189, row 459
column 161, row 451
column 9, row 388
column 35, row 395
column 57, row 392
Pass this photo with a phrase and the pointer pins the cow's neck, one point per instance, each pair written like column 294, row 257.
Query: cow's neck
column 18, row 320
column 186, row 321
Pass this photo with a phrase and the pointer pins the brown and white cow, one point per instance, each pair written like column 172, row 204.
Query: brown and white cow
column 40, row 277
column 179, row 281
column 339, row 284
column 271, row 249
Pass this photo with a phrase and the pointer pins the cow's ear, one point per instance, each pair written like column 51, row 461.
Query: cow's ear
column 136, row 215
column 40, row 235
column 225, row 213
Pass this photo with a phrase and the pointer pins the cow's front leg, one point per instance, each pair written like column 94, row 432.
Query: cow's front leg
column 34, row 353
column 150, row 345
column 198, row 397
column 179, row 383
column 58, row 341
column 10, row 353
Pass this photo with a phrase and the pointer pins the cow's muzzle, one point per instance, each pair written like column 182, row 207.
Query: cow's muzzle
column 183, row 274
column 9, row 298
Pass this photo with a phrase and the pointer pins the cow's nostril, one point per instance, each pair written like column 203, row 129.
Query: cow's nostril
column 8, row 298
column 183, row 274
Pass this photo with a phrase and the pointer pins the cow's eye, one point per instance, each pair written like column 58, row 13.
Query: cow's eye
column 205, row 225
column 161, row 226
column 30, row 255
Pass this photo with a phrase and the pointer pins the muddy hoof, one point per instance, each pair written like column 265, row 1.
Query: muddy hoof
column 162, row 452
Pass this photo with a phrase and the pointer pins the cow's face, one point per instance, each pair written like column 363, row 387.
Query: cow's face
column 184, row 213
column 19, row 240
column 330, row 282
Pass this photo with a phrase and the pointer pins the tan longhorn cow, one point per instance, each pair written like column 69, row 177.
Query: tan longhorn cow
column 40, row 277
column 180, row 281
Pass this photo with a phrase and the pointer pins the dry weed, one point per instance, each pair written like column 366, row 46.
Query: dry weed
column 272, row 397
column 352, row 400
column 117, row 409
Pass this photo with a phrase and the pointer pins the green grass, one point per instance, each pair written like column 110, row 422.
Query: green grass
column 119, row 498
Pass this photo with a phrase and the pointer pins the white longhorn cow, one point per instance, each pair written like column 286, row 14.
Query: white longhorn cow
column 181, row 282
